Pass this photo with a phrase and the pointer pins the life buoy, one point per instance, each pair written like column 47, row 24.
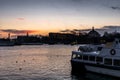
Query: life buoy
column 112, row 52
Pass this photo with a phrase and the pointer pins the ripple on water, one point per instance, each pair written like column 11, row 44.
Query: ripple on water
column 44, row 62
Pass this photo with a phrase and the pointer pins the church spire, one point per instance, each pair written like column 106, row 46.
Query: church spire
column 27, row 34
column 8, row 35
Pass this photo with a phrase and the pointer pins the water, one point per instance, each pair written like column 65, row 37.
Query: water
column 41, row 62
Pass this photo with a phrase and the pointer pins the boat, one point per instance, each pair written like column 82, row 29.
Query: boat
column 6, row 43
column 101, row 59
column 32, row 43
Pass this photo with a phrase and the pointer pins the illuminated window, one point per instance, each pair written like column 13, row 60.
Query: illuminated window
column 79, row 56
column 74, row 56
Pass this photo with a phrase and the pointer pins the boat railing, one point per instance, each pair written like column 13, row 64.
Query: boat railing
column 89, row 48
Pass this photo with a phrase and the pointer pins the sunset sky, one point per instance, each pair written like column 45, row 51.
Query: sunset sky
column 45, row 16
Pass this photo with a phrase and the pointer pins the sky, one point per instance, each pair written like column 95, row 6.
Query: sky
column 44, row 16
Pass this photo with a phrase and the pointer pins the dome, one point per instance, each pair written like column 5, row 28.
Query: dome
column 93, row 33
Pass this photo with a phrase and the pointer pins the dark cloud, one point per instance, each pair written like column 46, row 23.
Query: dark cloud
column 14, row 31
column 67, row 30
column 86, row 30
column 105, row 29
column 111, row 27
column 101, row 30
column 115, row 8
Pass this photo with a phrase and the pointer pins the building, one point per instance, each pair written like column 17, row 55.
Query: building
column 94, row 37
column 93, row 33
column 65, row 38
column 28, row 39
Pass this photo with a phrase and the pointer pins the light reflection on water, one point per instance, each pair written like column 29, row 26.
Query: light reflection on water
column 41, row 62
column 35, row 62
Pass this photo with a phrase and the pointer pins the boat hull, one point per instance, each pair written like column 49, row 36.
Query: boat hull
column 104, row 71
column 78, row 68
column 82, row 68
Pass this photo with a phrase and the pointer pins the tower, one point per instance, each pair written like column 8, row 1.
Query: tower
column 27, row 34
column 93, row 28
column 8, row 35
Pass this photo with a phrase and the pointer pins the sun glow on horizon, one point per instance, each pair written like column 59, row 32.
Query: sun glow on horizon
column 44, row 16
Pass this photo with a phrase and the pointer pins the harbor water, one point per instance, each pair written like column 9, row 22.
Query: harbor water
column 40, row 62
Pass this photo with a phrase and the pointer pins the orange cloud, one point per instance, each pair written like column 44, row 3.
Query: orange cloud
column 14, row 31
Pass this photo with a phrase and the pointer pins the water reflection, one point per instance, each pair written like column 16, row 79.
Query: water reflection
column 92, row 76
column 77, row 77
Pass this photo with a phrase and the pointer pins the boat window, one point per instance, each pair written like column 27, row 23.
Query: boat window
column 85, row 49
column 92, row 58
column 74, row 56
column 85, row 57
column 99, row 59
column 108, row 61
column 79, row 56
column 117, row 62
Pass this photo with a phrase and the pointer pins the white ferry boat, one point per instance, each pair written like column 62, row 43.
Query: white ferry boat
column 98, row 59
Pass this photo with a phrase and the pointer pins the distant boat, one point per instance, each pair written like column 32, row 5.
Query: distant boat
column 6, row 43
column 98, row 59
column 32, row 43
